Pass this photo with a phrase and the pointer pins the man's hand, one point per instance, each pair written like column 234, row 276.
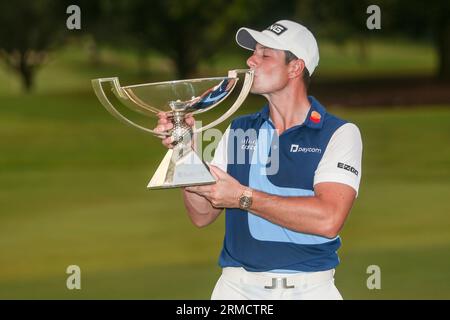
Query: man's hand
column 165, row 124
column 224, row 193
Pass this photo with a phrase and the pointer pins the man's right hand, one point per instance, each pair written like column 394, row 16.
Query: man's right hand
column 165, row 124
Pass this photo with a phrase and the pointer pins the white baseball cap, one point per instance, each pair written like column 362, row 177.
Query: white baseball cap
column 283, row 35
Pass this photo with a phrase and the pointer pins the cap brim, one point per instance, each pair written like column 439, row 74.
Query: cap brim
column 247, row 39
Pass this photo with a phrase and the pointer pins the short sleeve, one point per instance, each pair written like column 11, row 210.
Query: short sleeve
column 221, row 153
column 341, row 161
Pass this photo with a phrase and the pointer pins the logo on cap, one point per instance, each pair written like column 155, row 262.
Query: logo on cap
column 277, row 29
column 315, row 117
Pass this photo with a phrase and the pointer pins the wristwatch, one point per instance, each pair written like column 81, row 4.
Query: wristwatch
column 246, row 200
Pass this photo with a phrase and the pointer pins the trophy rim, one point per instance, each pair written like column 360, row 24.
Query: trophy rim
column 177, row 81
column 121, row 95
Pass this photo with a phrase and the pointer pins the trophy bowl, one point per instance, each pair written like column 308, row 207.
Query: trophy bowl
column 197, row 95
column 181, row 166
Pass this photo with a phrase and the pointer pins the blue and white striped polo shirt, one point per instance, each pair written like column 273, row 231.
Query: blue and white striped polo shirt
column 322, row 149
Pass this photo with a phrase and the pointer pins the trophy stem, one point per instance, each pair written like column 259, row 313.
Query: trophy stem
column 181, row 166
column 181, row 132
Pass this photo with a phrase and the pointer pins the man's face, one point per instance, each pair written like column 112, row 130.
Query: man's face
column 271, row 71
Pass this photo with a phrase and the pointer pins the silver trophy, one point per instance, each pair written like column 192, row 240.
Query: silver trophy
column 181, row 166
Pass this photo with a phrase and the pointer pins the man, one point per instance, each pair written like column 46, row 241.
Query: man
column 282, row 227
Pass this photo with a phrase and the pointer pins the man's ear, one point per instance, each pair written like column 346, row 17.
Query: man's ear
column 296, row 68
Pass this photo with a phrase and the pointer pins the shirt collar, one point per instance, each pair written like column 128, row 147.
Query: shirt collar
column 314, row 118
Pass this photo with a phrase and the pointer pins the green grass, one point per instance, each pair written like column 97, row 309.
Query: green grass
column 72, row 191
column 396, row 57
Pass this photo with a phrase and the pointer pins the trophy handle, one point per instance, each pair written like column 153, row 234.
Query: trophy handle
column 100, row 93
column 240, row 99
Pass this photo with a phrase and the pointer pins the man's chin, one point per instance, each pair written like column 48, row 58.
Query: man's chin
column 256, row 91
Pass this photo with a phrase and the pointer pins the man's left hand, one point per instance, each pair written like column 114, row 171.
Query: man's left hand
column 224, row 193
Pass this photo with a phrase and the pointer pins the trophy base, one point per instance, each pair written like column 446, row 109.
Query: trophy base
column 181, row 167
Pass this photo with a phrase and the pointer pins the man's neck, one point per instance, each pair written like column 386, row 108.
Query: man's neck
column 288, row 108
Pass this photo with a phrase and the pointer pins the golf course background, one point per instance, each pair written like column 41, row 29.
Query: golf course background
column 73, row 187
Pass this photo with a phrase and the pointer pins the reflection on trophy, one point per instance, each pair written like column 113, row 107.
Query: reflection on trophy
column 181, row 166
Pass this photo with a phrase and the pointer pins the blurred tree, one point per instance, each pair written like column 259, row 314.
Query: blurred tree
column 189, row 31
column 105, row 22
column 186, row 31
column 412, row 18
column 28, row 30
column 338, row 21
column 429, row 19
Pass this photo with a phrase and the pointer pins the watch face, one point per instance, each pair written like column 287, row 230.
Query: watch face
column 245, row 202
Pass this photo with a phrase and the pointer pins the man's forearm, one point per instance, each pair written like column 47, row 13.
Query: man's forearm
column 301, row 214
column 199, row 209
column 311, row 215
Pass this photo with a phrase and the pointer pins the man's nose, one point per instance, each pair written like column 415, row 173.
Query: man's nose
column 252, row 62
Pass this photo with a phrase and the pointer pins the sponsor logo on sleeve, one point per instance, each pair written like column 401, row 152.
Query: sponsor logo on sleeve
column 347, row 167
